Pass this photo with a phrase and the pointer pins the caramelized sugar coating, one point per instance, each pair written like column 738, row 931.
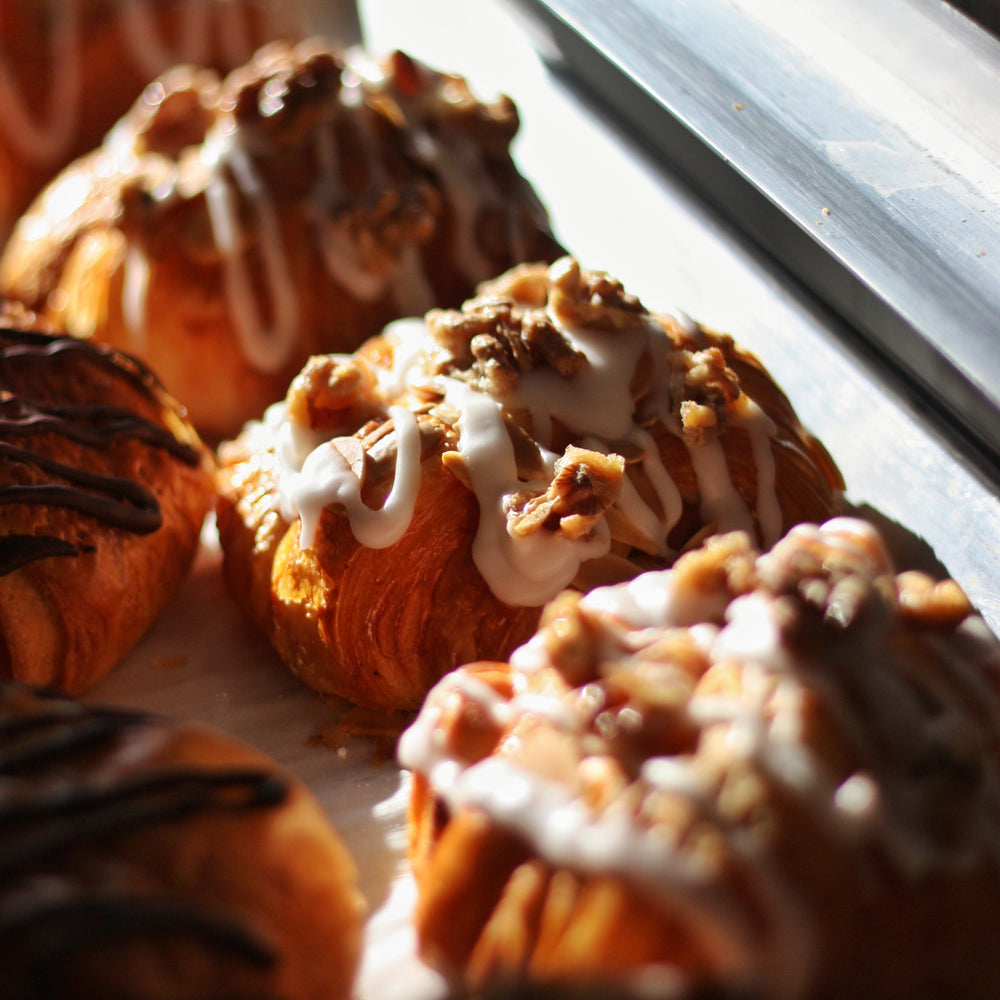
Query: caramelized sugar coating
column 146, row 859
column 104, row 486
column 775, row 773
column 69, row 69
column 229, row 229
column 413, row 506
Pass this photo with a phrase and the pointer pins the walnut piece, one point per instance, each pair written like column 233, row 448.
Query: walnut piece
column 924, row 600
column 585, row 484
column 330, row 392
column 591, row 298
column 496, row 341
column 702, row 386
column 174, row 112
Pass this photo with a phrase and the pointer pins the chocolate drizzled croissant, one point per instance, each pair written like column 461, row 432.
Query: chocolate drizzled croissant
column 103, row 490
column 148, row 860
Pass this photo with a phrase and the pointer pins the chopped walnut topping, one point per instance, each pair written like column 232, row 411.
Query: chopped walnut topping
column 585, row 485
column 497, row 341
column 925, row 600
column 723, row 565
column 173, row 112
column 436, row 101
column 526, row 284
column 329, row 392
column 284, row 90
column 838, row 581
column 701, row 387
column 591, row 298
column 455, row 463
column 571, row 639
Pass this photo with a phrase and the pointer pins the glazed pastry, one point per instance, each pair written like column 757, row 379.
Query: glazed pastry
column 69, row 69
column 145, row 859
column 412, row 507
column 227, row 231
column 777, row 773
column 104, row 486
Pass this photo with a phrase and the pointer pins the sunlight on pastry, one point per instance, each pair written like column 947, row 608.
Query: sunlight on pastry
column 229, row 228
column 772, row 774
column 412, row 506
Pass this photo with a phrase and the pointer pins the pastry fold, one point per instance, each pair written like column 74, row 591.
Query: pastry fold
column 227, row 229
column 771, row 773
column 412, row 506
column 104, row 486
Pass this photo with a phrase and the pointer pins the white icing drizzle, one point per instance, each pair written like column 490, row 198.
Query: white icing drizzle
column 152, row 52
column 267, row 348
column 597, row 406
column 344, row 263
column 326, row 478
column 457, row 162
column 889, row 713
column 135, row 285
column 760, row 427
column 597, row 400
column 521, row 570
column 664, row 486
column 45, row 140
column 721, row 503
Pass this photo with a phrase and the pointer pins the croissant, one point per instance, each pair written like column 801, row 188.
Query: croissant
column 228, row 230
column 104, row 486
column 148, row 859
column 412, row 507
column 775, row 774
column 69, row 69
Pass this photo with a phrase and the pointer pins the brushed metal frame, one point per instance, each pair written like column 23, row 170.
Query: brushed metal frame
column 893, row 224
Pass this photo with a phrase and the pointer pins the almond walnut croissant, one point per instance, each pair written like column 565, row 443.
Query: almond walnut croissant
column 413, row 506
column 775, row 775
column 228, row 229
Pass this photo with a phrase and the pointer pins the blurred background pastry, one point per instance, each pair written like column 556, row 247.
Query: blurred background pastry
column 69, row 69
column 412, row 507
column 146, row 859
column 104, row 486
column 773, row 772
column 229, row 229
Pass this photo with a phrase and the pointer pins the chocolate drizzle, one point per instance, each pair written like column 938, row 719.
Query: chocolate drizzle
column 108, row 921
column 115, row 501
column 50, row 825
column 18, row 550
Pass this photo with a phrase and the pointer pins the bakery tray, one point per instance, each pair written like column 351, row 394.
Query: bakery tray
column 618, row 205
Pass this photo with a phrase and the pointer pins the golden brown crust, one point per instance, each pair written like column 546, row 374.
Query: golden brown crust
column 147, row 859
column 352, row 621
column 227, row 230
column 104, row 487
column 76, row 70
column 379, row 625
column 771, row 772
